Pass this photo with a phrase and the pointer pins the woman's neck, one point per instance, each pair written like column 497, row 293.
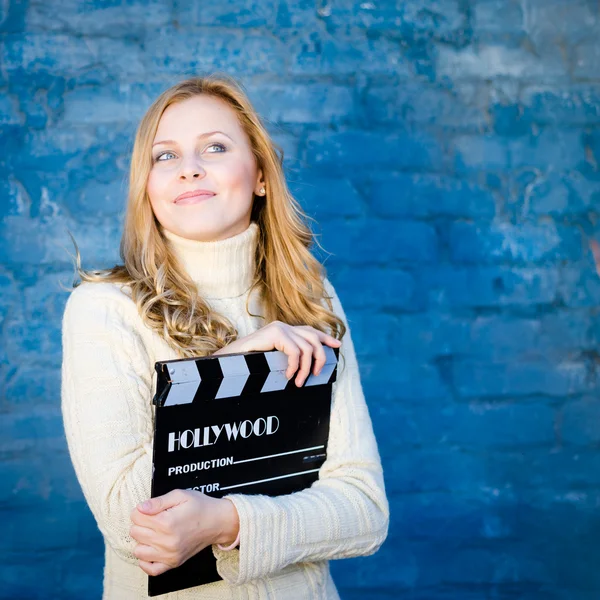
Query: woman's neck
column 220, row 269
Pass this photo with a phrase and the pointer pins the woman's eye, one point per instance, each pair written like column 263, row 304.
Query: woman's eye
column 218, row 146
column 161, row 155
column 221, row 146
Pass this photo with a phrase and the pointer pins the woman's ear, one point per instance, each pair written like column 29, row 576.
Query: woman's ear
column 260, row 182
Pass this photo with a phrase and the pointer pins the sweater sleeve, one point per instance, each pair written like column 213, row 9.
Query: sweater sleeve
column 343, row 514
column 106, row 408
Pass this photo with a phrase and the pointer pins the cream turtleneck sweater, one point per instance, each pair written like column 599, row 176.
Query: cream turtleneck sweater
column 107, row 388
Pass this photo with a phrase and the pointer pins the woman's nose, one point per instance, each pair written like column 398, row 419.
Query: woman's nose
column 191, row 169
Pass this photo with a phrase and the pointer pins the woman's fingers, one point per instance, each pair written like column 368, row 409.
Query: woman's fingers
column 306, row 355
column 301, row 343
column 142, row 535
column 146, row 553
column 311, row 335
column 153, row 568
column 286, row 344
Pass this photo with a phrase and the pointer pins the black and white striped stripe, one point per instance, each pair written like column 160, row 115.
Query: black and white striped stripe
column 183, row 381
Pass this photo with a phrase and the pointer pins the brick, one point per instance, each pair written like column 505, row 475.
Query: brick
column 550, row 196
column 586, row 56
column 578, row 105
column 62, row 54
column 9, row 110
column 499, row 338
column 510, row 426
column 428, row 336
column 376, row 242
column 95, row 19
column 556, row 471
column 357, row 148
column 290, row 145
column 417, row 336
column 323, row 196
column 461, row 107
column 495, row 60
column 558, row 148
column 454, row 286
column 29, row 481
column 20, row 529
column 579, row 422
column 403, row 425
column 9, row 293
column 375, row 288
column 295, row 15
column 497, row 16
column 21, row 578
column 106, row 198
column 84, row 577
column 362, row 332
column 303, row 103
column 98, row 242
column 16, row 201
column 32, row 429
column 424, row 195
column 573, row 21
column 508, row 119
column 567, row 330
column 580, row 286
column 438, row 19
column 435, row 469
column 480, row 152
column 58, row 142
column 37, row 342
column 390, row 381
column 515, row 244
column 235, row 14
column 318, row 54
column 44, row 296
column 210, row 49
column 33, row 385
column 494, row 380
column 108, row 103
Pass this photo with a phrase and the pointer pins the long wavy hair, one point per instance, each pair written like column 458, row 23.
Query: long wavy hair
column 288, row 276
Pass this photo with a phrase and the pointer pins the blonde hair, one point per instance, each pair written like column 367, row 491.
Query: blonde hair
column 288, row 275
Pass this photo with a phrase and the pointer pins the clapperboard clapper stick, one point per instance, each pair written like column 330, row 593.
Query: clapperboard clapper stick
column 233, row 423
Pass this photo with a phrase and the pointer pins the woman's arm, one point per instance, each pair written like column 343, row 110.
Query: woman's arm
column 106, row 407
column 344, row 514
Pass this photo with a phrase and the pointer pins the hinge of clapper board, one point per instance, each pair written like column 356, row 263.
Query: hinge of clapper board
column 162, row 373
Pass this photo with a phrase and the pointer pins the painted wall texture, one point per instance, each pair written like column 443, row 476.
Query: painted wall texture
column 449, row 151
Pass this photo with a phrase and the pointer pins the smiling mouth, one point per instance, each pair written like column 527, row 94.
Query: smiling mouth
column 194, row 199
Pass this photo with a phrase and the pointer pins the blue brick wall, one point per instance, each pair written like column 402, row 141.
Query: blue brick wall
column 450, row 152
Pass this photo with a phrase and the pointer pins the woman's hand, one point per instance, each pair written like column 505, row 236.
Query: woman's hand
column 177, row 525
column 299, row 342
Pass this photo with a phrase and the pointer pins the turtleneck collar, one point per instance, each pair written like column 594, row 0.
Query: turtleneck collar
column 220, row 269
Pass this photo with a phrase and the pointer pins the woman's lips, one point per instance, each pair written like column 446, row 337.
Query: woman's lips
column 194, row 199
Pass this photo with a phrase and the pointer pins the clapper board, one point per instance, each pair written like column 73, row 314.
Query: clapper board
column 235, row 424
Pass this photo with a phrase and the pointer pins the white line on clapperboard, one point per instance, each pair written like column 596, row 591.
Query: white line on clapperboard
column 237, row 462
column 270, row 479
column 229, row 487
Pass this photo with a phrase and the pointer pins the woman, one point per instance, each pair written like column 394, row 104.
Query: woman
column 216, row 260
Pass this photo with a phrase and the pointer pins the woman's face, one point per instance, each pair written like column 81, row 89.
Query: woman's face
column 200, row 145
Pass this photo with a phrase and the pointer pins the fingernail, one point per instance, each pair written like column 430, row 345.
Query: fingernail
column 146, row 505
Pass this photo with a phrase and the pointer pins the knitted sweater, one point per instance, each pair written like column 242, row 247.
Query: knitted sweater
column 107, row 387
